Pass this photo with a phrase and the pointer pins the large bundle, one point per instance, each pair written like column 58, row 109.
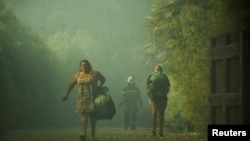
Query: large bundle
column 159, row 80
column 160, row 87
column 104, row 105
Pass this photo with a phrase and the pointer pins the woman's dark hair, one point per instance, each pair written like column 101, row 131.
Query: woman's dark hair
column 87, row 62
column 160, row 67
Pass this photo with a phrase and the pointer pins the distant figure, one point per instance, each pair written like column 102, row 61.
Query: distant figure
column 130, row 98
column 158, row 87
column 88, row 80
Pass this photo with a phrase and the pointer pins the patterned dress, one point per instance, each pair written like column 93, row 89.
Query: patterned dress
column 86, row 92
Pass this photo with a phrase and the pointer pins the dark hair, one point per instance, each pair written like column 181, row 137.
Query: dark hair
column 86, row 61
column 160, row 67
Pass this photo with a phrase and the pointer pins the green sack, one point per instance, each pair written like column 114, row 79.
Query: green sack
column 160, row 85
column 104, row 107
column 159, row 80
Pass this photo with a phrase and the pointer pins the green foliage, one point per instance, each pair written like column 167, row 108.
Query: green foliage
column 175, row 120
column 178, row 34
column 24, row 61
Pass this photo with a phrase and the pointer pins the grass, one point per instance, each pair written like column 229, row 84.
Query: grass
column 102, row 134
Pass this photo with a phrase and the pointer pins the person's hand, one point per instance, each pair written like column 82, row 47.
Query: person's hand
column 65, row 98
column 149, row 85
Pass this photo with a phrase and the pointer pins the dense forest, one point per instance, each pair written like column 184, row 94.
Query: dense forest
column 27, row 72
column 177, row 36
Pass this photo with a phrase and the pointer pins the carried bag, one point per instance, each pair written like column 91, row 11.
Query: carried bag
column 104, row 107
column 160, row 88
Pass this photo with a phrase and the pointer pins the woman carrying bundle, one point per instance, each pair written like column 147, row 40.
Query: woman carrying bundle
column 158, row 87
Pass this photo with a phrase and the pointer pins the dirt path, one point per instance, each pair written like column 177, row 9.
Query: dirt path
column 103, row 134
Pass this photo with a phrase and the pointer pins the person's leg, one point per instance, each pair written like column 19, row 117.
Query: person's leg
column 162, row 108
column 93, row 125
column 84, row 124
column 126, row 118
column 133, row 118
column 161, row 120
column 153, row 117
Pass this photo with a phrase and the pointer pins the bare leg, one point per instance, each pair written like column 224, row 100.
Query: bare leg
column 153, row 116
column 93, row 125
column 161, row 108
column 84, row 123
column 161, row 120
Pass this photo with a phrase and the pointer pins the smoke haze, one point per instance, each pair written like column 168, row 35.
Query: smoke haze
column 108, row 33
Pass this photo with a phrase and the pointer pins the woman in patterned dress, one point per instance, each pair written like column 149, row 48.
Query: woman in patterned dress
column 88, row 80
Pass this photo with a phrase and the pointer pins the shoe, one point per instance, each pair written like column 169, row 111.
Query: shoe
column 152, row 134
column 161, row 135
column 132, row 127
column 93, row 139
column 83, row 138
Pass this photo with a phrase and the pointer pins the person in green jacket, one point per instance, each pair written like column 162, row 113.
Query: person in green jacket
column 157, row 89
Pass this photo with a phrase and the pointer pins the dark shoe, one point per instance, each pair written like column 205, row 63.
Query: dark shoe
column 93, row 137
column 132, row 127
column 93, row 134
column 83, row 138
column 126, row 127
column 161, row 135
column 152, row 134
